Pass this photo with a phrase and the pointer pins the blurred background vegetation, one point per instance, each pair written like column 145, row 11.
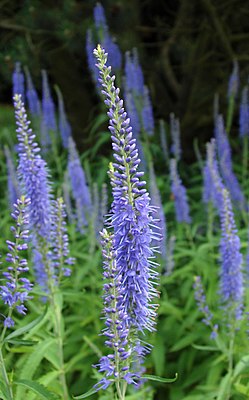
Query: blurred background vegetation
column 186, row 48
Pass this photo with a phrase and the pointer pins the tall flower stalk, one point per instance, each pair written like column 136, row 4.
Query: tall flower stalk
column 129, row 262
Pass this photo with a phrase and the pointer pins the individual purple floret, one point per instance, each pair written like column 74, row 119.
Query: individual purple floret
column 203, row 307
column 32, row 96
column 13, row 186
column 179, row 193
column 59, row 241
column 64, row 126
column 48, row 122
column 175, row 137
column 18, row 81
column 131, row 220
column 32, row 173
column 80, row 190
column 213, row 185
column 225, row 159
column 244, row 113
column 160, row 217
column 15, row 288
column 231, row 277
column 147, row 113
column 233, row 83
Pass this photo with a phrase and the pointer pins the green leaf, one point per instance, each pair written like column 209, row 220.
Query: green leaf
column 37, row 388
column 26, row 328
column 241, row 365
column 205, row 348
column 159, row 379
column 224, row 387
column 21, row 342
column 85, row 395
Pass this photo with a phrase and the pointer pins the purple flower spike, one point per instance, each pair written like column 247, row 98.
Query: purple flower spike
column 32, row 96
column 131, row 222
column 147, row 113
column 200, row 298
column 231, row 277
column 32, row 172
column 160, row 217
column 15, row 290
column 213, row 184
column 225, row 159
column 48, row 107
column 65, row 128
column 13, row 186
column 18, row 81
column 175, row 136
column 99, row 16
column 244, row 113
column 80, row 190
column 233, row 83
column 180, row 196
column 59, row 241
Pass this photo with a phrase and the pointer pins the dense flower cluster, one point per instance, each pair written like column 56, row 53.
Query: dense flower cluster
column 179, row 193
column 15, row 290
column 131, row 220
column 231, row 276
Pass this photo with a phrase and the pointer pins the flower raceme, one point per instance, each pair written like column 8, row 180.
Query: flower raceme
column 32, row 172
column 15, row 288
column 130, row 221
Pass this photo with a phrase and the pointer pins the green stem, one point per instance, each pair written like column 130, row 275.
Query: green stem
column 8, row 387
column 210, row 222
column 230, row 360
column 230, row 112
column 58, row 330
